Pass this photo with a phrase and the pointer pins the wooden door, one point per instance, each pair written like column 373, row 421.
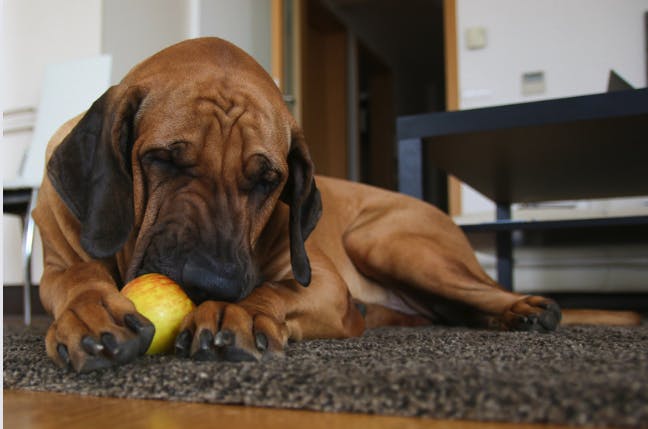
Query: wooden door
column 324, row 111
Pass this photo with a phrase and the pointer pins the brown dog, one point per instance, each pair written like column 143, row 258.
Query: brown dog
column 193, row 167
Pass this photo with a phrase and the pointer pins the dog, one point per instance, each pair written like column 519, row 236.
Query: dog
column 193, row 167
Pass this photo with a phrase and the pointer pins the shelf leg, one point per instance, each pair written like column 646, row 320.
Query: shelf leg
column 410, row 167
column 504, row 249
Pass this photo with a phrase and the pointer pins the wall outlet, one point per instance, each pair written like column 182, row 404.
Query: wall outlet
column 533, row 83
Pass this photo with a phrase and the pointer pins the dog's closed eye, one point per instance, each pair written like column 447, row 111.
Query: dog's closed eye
column 260, row 175
column 169, row 158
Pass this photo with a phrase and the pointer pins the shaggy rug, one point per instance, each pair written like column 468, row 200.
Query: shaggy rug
column 578, row 375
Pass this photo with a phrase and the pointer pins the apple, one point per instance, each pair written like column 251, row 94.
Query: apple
column 164, row 303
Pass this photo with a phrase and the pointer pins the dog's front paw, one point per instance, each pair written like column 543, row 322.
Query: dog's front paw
column 98, row 330
column 532, row 313
column 223, row 331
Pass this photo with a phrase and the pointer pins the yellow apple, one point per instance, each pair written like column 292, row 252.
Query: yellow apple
column 164, row 303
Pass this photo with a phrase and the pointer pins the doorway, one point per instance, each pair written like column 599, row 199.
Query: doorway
column 355, row 66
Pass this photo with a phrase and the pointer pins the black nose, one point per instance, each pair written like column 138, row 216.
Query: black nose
column 207, row 278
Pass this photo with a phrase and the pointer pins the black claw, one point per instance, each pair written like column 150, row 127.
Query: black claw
column 133, row 323
column 63, row 353
column 93, row 363
column 205, row 349
column 183, row 343
column 261, row 341
column 550, row 319
column 205, row 340
column 523, row 324
column 110, row 344
column 362, row 308
column 91, row 346
column 145, row 331
column 129, row 350
column 235, row 354
column 544, row 321
column 224, row 338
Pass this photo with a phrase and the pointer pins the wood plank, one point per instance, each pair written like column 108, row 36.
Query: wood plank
column 324, row 86
column 450, row 47
column 277, row 51
column 298, row 26
column 43, row 410
column 452, row 90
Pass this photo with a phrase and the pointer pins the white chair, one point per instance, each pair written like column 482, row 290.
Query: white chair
column 69, row 88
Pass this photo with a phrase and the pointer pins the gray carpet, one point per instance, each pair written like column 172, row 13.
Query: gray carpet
column 578, row 375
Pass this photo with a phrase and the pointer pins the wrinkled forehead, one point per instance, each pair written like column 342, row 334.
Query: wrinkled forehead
column 214, row 108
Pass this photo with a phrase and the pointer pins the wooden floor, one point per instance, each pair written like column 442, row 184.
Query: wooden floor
column 38, row 410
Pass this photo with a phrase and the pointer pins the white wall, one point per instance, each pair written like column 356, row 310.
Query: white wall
column 574, row 42
column 35, row 33
column 39, row 32
column 246, row 23
column 132, row 30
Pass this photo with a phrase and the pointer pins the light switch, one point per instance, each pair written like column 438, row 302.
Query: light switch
column 475, row 37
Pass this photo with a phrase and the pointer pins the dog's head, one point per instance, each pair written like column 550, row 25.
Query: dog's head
column 188, row 158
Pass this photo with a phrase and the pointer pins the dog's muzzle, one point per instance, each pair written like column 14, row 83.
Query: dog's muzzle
column 204, row 277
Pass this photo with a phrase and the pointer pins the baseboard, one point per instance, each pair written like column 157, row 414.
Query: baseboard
column 602, row 301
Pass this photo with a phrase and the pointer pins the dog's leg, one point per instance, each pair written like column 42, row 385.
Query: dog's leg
column 275, row 312
column 417, row 250
column 94, row 325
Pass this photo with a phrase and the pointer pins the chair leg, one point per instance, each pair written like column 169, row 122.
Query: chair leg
column 27, row 248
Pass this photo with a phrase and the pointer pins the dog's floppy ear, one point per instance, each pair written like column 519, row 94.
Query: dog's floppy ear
column 301, row 194
column 91, row 170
